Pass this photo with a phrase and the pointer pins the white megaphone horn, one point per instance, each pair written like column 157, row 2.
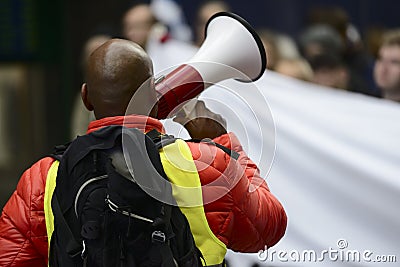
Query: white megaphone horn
column 232, row 49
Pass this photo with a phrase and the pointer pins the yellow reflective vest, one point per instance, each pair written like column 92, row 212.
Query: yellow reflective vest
column 180, row 168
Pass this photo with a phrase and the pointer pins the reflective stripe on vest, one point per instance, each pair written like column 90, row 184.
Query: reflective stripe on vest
column 48, row 193
column 181, row 170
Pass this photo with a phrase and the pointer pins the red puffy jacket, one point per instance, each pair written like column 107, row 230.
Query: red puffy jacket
column 245, row 219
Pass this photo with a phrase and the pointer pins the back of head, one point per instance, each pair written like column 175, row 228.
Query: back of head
column 330, row 70
column 115, row 71
column 326, row 61
column 320, row 39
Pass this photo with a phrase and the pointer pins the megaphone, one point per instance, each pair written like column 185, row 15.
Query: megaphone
column 231, row 49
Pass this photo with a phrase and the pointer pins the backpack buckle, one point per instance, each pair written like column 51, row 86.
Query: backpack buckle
column 158, row 237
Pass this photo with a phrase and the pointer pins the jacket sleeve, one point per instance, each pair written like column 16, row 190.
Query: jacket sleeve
column 23, row 237
column 242, row 212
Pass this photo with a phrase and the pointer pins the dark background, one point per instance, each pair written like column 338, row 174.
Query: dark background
column 42, row 39
column 289, row 16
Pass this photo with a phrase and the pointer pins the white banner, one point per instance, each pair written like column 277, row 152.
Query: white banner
column 336, row 169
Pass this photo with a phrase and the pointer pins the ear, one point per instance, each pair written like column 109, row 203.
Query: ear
column 85, row 99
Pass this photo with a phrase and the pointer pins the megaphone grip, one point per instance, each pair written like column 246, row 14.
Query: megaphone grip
column 182, row 84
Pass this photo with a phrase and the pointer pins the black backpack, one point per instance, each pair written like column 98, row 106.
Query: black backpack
column 102, row 217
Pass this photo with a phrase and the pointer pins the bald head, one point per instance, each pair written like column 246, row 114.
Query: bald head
column 115, row 72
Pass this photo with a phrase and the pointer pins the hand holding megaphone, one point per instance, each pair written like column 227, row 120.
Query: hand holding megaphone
column 201, row 122
column 232, row 49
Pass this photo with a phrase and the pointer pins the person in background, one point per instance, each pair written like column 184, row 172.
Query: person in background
column 204, row 13
column 170, row 13
column 80, row 116
column 137, row 24
column 140, row 25
column 297, row 68
column 329, row 70
column 283, row 55
column 286, row 46
column 268, row 39
column 343, row 39
column 324, row 49
column 387, row 66
column 320, row 39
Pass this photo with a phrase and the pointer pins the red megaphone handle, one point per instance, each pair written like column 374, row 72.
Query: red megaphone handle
column 180, row 85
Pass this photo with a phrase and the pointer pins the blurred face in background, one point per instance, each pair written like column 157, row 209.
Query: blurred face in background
column 204, row 13
column 137, row 24
column 387, row 68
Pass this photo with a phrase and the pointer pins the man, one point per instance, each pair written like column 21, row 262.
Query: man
column 245, row 217
column 330, row 70
column 387, row 66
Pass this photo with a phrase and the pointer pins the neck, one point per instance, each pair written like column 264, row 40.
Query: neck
column 141, row 122
column 392, row 95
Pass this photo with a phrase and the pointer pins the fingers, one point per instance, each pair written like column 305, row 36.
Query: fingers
column 200, row 121
column 197, row 109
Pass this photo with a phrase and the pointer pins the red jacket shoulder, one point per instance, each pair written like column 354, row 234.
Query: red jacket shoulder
column 23, row 236
column 240, row 209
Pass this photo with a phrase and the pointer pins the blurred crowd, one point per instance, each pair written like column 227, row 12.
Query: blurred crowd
column 329, row 51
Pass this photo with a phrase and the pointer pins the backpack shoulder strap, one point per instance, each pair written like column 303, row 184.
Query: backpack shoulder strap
column 73, row 247
column 159, row 139
column 59, row 151
column 233, row 154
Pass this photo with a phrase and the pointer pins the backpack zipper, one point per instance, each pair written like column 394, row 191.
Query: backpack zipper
column 91, row 180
